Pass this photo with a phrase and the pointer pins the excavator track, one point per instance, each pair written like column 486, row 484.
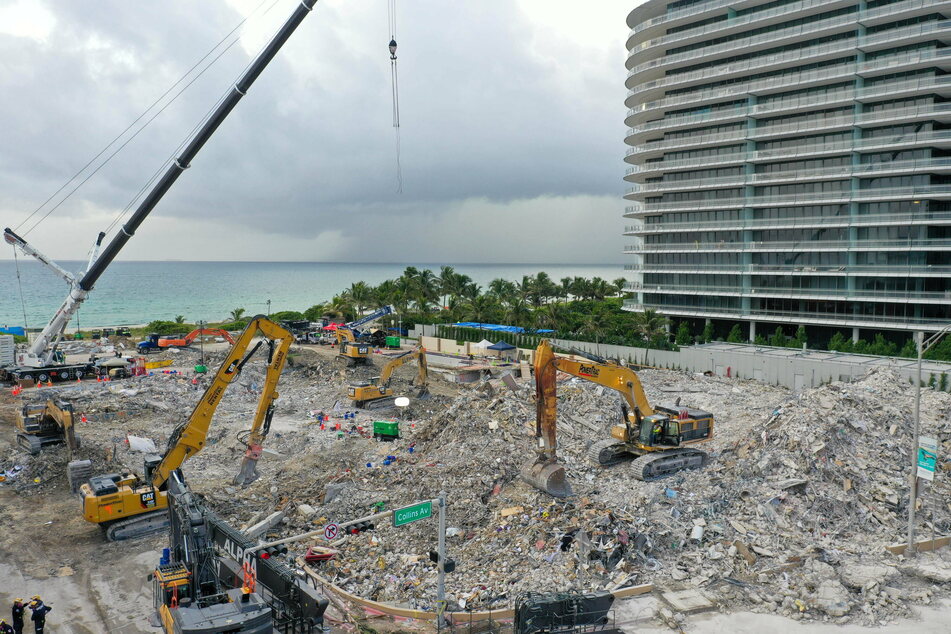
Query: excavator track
column 30, row 443
column 608, row 452
column 663, row 463
column 138, row 526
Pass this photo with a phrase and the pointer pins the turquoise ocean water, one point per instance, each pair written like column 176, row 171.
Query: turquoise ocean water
column 138, row 292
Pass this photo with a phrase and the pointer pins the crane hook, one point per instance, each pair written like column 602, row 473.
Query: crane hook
column 392, row 49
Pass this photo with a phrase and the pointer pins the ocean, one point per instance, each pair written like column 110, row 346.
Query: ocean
column 139, row 292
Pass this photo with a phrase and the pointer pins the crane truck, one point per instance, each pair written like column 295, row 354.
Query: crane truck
column 660, row 439
column 352, row 351
column 127, row 505
column 364, row 393
column 42, row 361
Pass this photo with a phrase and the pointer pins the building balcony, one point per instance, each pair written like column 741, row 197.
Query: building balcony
column 842, row 320
column 797, row 270
column 801, row 79
column 784, row 200
column 930, row 165
column 817, row 246
column 771, row 39
column 837, row 294
column 864, row 220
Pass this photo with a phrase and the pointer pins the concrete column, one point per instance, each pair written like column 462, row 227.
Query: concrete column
column 752, row 331
column 855, row 335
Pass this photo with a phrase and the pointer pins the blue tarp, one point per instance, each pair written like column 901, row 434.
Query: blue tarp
column 495, row 327
column 501, row 346
column 13, row 330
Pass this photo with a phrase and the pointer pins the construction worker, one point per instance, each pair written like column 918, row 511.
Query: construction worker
column 18, row 610
column 5, row 627
column 40, row 610
column 658, row 432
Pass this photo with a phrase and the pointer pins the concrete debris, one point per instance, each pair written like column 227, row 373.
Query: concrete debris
column 802, row 493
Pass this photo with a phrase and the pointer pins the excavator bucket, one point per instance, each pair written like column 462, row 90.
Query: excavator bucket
column 548, row 477
column 546, row 474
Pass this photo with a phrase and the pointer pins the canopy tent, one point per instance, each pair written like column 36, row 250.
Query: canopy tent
column 331, row 326
column 485, row 343
column 501, row 346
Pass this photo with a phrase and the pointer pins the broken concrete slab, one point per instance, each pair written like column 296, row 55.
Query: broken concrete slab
column 688, row 601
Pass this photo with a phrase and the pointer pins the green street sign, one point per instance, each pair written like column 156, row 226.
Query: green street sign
column 410, row 514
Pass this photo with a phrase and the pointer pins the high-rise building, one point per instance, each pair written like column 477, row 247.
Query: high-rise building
column 790, row 162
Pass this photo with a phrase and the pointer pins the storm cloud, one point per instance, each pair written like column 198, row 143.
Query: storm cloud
column 511, row 129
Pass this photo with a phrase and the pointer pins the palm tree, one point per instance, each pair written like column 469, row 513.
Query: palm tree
column 342, row 306
column 580, row 287
column 596, row 323
column 447, row 276
column 552, row 316
column 619, row 285
column 600, row 288
column 545, row 287
column 650, row 325
column 518, row 313
column 471, row 291
column 236, row 314
column 361, row 294
column 180, row 319
column 481, row 308
column 565, row 285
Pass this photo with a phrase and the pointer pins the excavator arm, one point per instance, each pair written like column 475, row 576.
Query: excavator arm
column 190, row 438
column 417, row 354
column 615, row 377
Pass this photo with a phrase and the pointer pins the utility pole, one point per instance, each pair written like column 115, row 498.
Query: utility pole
column 201, row 341
column 268, row 308
column 913, row 475
column 441, row 579
column 923, row 347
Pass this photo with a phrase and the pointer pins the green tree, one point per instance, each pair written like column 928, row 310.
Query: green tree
column 179, row 319
column 361, row 295
column 736, row 334
column 518, row 313
column 778, row 339
column 482, row 308
column 651, row 326
column 287, row 315
column 236, row 314
column 565, row 286
column 619, row 284
column 760, row 340
column 447, row 287
column 314, row 313
column 596, row 324
column 707, row 335
column 684, row 337
column 838, row 342
column 800, row 339
column 909, row 350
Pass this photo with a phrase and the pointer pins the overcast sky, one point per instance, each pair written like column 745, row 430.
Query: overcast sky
column 511, row 129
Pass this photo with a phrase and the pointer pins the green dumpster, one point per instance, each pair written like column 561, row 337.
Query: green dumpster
column 392, row 342
column 386, row 429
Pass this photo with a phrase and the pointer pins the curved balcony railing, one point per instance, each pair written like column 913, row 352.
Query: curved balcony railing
column 791, row 80
column 854, row 270
column 740, row 224
column 818, row 173
column 797, row 151
column 797, row 245
column 688, row 12
column 884, row 193
column 765, row 291
column 757, row 314
column 848, row 70
column 797, row 32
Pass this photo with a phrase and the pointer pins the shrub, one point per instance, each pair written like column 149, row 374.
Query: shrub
column 736, row 334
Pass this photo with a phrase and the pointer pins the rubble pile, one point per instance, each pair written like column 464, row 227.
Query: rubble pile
column 791, row 516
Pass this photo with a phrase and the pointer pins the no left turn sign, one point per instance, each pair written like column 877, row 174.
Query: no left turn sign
column 331, row 531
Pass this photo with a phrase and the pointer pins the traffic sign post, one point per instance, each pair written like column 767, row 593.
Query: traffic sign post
column 331, row 532
column 413, row 513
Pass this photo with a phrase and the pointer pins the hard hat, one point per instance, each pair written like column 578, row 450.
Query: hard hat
column 36, row 597
column 246, row 590
column 18, row 600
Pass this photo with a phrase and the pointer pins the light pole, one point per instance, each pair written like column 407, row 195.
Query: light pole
column 268, row 308
column 923, row 347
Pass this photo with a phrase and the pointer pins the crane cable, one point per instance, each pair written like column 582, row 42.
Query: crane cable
column 20, row 284
column 395, row 88
column 131, row 125
column 158, row 172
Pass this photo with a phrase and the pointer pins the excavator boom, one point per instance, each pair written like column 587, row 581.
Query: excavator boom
column 364, row 393
column 130, row 506
column 545, row 473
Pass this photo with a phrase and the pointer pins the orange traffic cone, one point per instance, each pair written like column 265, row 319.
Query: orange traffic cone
column 49, row 383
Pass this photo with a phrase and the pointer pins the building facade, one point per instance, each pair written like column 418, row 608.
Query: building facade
column 790, row 162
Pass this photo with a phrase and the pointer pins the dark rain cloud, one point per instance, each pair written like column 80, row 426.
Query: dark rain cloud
column 496, row 115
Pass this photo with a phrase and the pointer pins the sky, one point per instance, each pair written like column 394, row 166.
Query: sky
column 510, row 139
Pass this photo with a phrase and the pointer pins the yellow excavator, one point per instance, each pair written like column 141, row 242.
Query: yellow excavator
column 364, row 393
column 659, row 438
column 351, row 351
column 129, row 506
column 51, row 423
